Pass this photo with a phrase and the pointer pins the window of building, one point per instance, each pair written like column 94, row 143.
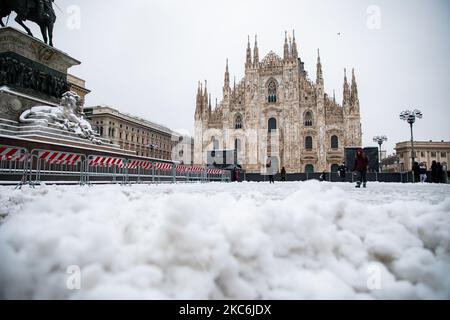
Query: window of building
column 422, row 154
column 443, row 155
column 433, row 154
column 237, row 145
column 334, row 167
column 272, row 92
column 309, row 119
column 309, row 168
column 308, row 143
column 334, row 142
column 238, row 122
column 272, row 125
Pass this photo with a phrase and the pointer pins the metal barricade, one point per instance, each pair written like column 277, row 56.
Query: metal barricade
column 181, row 173
column 214, row 175
column 140, row 171
column 14, row 163
column 56, row 166
column 226, row 176
column 164, row 172
column 110, row 169
column 196, row 174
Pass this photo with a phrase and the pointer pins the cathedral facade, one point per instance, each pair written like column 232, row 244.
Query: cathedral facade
column 277, row 114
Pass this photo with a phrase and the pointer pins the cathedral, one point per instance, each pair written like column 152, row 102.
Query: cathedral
column 277, row 115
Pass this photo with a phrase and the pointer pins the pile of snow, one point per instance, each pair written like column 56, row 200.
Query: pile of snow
column 306, row 240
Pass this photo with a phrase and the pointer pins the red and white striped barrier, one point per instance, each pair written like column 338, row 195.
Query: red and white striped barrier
column 181, row 169
column 163, row 166
column 196, row 169
column 55, row 157
column 100, row 161
column 214, row 171
column 12, row 153
column 134, row 164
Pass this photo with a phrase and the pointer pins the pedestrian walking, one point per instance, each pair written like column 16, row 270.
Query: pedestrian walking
column 360, row 166
column 416, row 171
column 343, row 171
column 270, row 171
column 434, row 171
column 323, row 176
column 423, row 172
column 439, row 173
column 283, row 174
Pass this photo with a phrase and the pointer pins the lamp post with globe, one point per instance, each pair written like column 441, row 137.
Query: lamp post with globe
column 410, row 117
column 380, row 140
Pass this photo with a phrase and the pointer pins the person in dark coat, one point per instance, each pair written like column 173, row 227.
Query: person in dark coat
column 342, row 171
column 360, row 166
column 270, row 171
column 283, row 174
column 439, row 173
column 434, row 171
column 323, row 176
column 416, row 171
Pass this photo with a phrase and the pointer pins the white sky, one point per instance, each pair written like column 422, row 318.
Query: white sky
column 145, row 57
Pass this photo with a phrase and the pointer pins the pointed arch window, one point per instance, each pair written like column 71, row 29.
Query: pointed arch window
column 238, row 122
column 309, row 120
column 272, row 92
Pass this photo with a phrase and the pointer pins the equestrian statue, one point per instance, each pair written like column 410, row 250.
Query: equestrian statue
column 39, row 11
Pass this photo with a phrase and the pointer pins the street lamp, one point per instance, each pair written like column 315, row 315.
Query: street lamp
column 410, row 117
column 380, row 140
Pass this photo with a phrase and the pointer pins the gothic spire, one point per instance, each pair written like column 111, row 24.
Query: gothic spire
column 256, row 53
column 248, row 63
column 198, row 108
column 286, row 47
column 209, row 106
column 294, row 46
column 227, row 76
column 354, row 85
column 346, row 101
column 354, row 92
column 319, row 74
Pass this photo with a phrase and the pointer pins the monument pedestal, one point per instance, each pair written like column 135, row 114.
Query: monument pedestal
column 34, row 74
column 31, row 73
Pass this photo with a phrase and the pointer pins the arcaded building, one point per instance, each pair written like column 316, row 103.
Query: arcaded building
column 276, row 112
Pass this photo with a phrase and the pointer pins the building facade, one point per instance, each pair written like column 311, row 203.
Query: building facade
column 425, row 151
column 131, row 133
column 276, row 112
column 78, row 86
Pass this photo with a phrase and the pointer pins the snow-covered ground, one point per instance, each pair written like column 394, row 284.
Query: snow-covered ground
column 234, row 241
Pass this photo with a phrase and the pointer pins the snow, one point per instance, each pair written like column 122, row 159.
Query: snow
column 299, row 240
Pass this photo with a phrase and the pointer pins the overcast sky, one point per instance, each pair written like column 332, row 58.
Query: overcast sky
column 145, row 57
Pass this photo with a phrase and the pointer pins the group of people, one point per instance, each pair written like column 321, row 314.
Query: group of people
column 438, row 172
column 360, row 167
column 361, row 164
